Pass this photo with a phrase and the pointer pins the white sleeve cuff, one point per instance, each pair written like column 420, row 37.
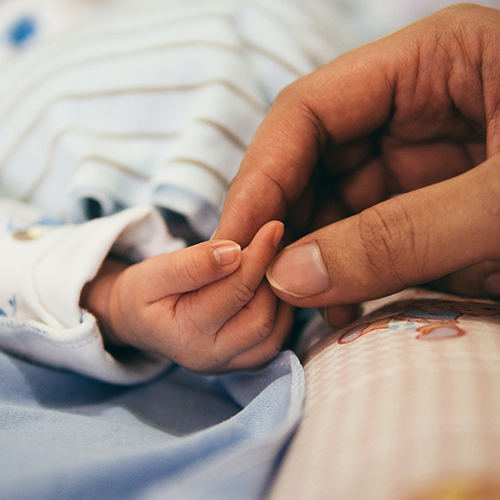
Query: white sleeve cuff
column 43, row 271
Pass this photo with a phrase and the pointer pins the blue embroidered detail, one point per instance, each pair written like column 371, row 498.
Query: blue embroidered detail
column 21, row 31
column 49, row 221
column 13, row 304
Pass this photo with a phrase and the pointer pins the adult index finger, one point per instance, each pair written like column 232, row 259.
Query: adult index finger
column 348, row 98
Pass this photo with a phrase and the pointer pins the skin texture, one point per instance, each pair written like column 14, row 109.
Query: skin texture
column 414, row 114
column 207, row 310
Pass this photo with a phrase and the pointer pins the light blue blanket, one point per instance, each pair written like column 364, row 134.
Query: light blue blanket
column 64, row 436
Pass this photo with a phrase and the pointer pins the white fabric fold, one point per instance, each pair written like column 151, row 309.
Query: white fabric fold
column 44, row 269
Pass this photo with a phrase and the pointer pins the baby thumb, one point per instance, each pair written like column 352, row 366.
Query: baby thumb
column 408, row 240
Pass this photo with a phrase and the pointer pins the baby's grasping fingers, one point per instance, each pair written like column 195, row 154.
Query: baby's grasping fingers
column 205, row 307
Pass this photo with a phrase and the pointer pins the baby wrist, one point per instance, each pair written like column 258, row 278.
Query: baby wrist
column 96, row 294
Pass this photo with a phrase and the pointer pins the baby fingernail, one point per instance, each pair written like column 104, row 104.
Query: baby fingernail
column 300, row 271
column 278, row 235
column 492, row 284
column 227, row 254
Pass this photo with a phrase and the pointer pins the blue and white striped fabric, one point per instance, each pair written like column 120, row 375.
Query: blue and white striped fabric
column 151, row 102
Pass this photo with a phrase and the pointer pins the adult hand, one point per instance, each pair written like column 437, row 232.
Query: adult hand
column 416, row 112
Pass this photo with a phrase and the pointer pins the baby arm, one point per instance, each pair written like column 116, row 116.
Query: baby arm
column 206, row 307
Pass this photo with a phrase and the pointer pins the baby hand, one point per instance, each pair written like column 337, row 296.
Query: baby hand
column 206, row 307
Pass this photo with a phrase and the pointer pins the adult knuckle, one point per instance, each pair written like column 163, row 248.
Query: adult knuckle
column 296, row 100
column 287, row 94
column 387, row 242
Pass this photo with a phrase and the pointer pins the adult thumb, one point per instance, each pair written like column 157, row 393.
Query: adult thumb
column 408, row 240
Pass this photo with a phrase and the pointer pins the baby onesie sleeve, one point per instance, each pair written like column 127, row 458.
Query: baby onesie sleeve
column 43, row 269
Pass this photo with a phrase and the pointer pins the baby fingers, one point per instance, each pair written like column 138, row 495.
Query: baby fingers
column 235, row 322
column 187, row 269
column 214, row 305
column 256, row 334
column 267, row 348
column 250, row 338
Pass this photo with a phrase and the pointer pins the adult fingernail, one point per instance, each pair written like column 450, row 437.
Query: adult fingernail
column 299, row 271
column 227, row 254
column 492, row 284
